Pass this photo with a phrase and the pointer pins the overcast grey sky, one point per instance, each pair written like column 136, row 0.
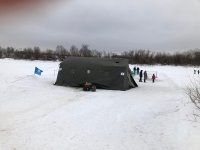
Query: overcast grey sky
column 114, row 25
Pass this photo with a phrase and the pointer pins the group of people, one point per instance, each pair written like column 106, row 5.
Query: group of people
column 137, row 71
column 196, row 71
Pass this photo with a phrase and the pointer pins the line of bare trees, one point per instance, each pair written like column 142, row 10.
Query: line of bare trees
column 191, row 57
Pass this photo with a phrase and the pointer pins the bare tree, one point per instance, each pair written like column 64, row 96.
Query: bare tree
column 74, row 51
column 10, row 52
column 61, row 52
column 50, row 55
column 36, row 51
column 85, row 51
column 1, row 52
column 28, row 53
column 193, row 91
column 96, row 53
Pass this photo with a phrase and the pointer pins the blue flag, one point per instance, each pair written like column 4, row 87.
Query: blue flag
column 38, row 71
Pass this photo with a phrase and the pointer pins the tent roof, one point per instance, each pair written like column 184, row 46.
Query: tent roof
column 96, row 61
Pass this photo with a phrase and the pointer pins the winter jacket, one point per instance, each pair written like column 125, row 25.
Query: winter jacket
column 153, row 77
column 145, row 75
column 141, row 73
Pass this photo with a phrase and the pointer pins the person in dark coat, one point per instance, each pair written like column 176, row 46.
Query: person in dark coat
column 145, row 76
column 198, row 71
column 194, row 71
column 138, row 70
column 153, row 78
column 141, row 74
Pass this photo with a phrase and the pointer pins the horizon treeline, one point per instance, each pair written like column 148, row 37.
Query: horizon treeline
column 191, row 57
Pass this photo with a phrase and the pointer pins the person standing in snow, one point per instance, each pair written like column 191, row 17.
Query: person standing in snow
column 153, row 78
column 194, row 71
column 138, row 69
column 134, row 70
column 198, row 71
column 145, row 76
column 141, row 74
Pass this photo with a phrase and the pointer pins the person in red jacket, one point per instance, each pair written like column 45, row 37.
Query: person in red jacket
column 153, row 78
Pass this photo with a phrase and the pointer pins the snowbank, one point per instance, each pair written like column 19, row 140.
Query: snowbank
column 36, row 115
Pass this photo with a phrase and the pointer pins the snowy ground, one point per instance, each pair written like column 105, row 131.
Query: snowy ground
column 36, row 115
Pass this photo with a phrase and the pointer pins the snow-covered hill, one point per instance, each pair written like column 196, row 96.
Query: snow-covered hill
column 37, row 115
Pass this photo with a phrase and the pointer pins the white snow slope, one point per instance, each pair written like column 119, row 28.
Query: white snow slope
column 37, row 115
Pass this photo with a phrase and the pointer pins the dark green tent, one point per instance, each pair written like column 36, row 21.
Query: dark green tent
column 113, row 74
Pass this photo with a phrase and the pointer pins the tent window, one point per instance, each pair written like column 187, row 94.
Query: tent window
column 88, row 71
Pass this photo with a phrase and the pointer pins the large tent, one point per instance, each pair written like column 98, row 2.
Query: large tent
column 113, row 74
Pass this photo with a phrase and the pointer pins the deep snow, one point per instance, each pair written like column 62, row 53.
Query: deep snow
column 37, row 115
